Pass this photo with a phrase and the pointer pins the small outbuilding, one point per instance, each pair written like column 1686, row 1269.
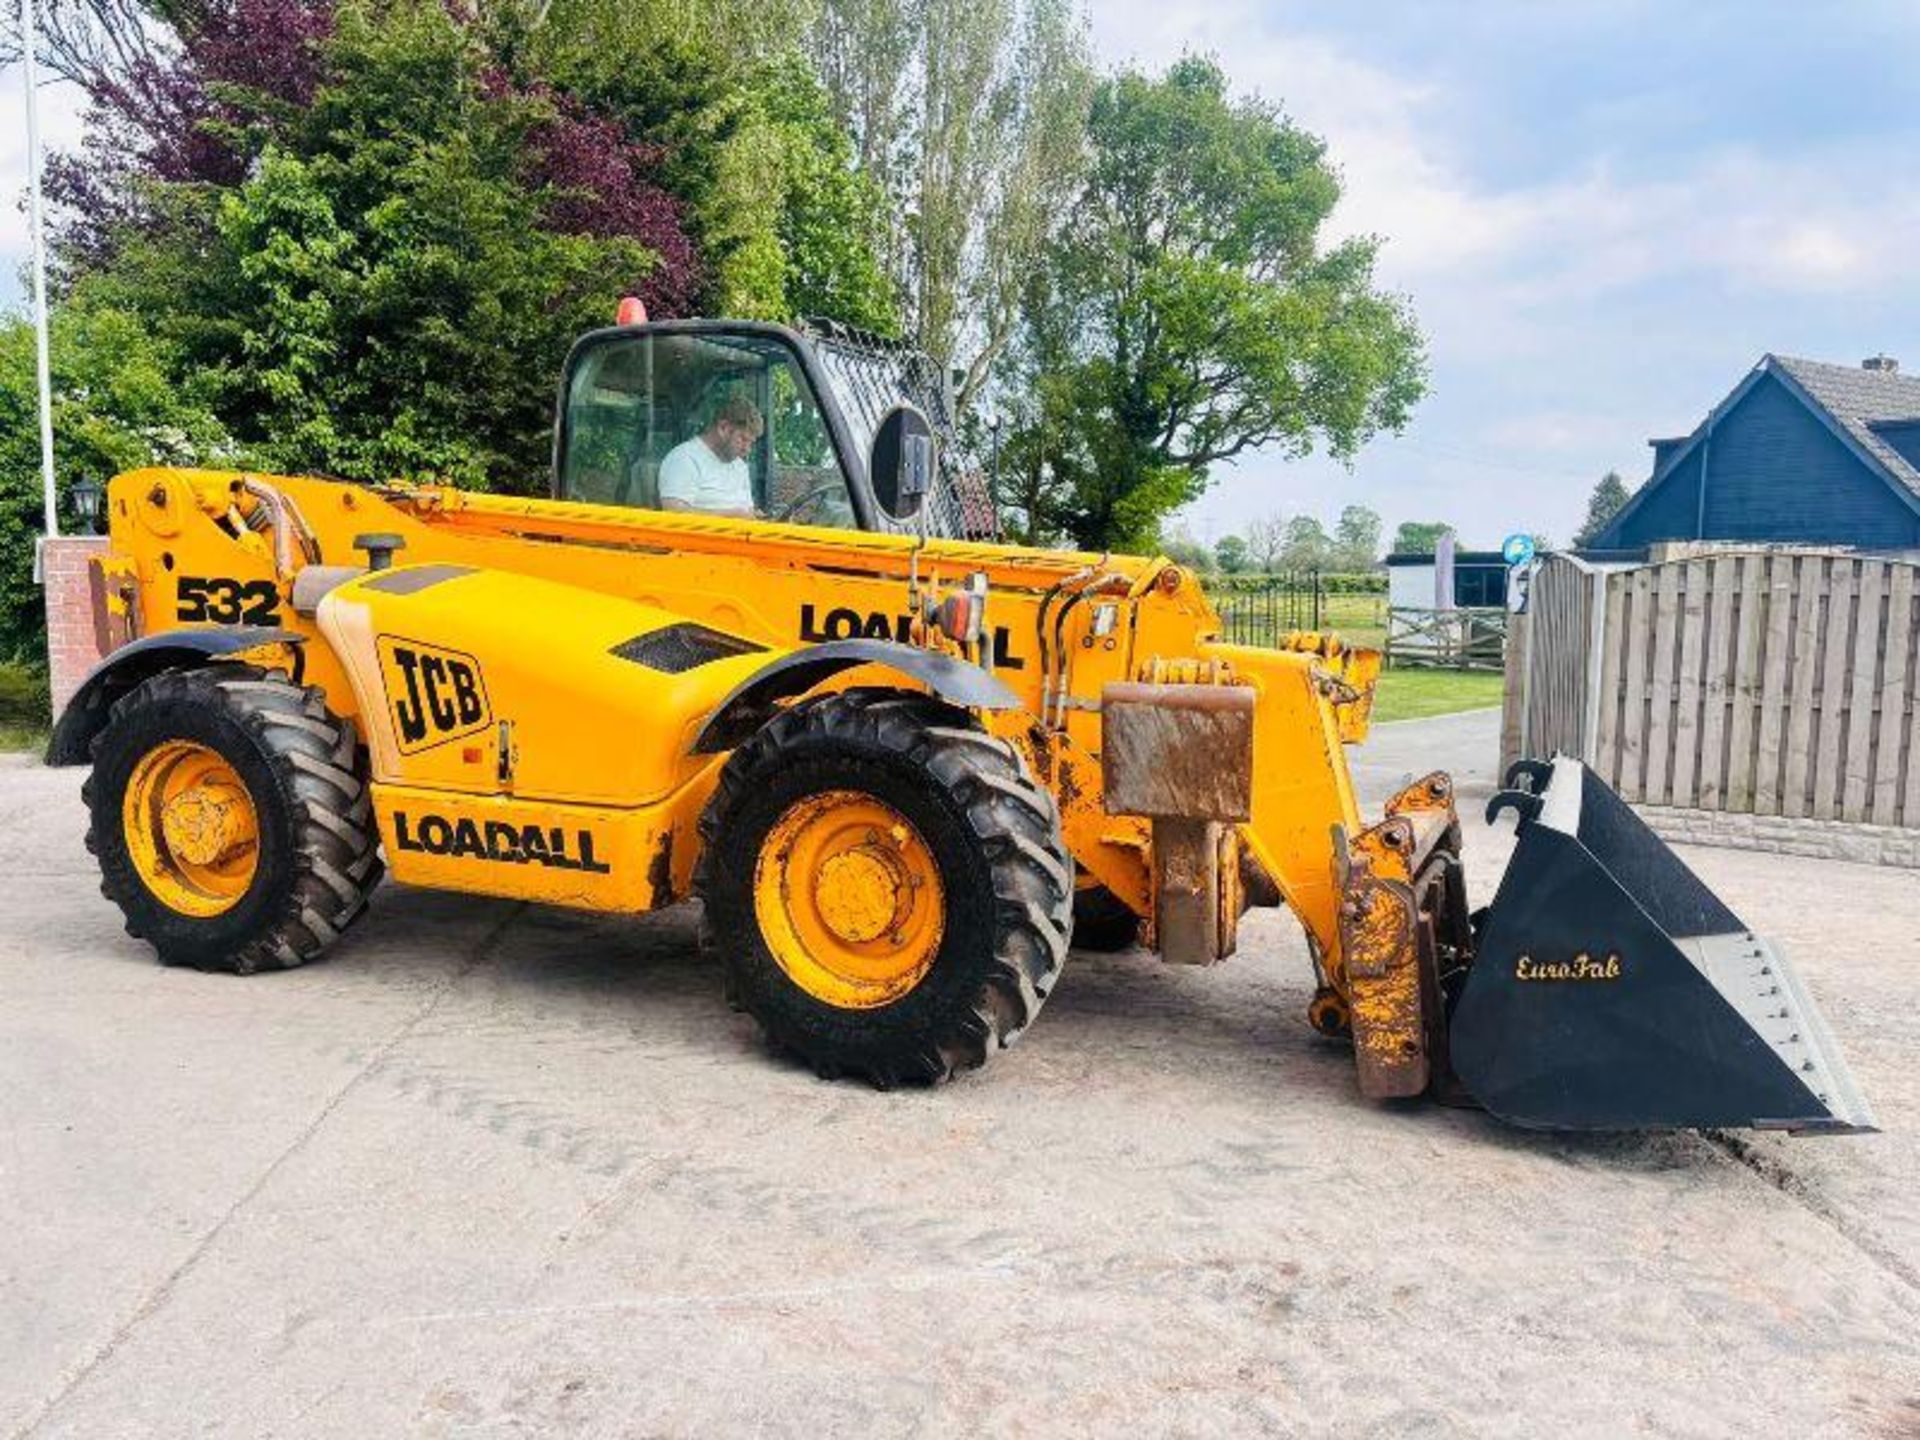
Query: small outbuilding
column 1800, row 453
column 1479, row 580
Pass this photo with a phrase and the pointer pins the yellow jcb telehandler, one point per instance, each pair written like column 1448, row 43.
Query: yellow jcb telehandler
column 760, row 648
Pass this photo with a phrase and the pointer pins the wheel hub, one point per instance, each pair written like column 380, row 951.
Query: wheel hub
column 207, row 824
column 849, row 899
column 190, row 827
column 864, row 892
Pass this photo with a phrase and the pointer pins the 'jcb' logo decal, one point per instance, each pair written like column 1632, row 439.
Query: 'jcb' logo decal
column 437, row 695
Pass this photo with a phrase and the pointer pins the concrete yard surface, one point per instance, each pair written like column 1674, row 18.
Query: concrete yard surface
column 495, row 1169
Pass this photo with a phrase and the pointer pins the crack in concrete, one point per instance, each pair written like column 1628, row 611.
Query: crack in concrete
column 1749, row 1157
column 162, row 1292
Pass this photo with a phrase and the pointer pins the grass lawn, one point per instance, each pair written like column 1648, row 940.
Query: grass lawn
column 1356, row 619
column 1256, row 619
column 1414, row 694
column 23, row 707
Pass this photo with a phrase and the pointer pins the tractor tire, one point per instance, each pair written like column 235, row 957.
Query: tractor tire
column 1102, row 922
column 885, row 885
column 231, row 819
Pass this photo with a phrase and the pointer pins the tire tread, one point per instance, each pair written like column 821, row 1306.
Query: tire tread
column 334, row 845
column 1011, row 820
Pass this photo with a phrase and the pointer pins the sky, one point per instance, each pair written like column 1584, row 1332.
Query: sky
column 60, row 128
column 1603, row 214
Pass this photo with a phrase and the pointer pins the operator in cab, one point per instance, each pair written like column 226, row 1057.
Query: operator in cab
column 708, row 473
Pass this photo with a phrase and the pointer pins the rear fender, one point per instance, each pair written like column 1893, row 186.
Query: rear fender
column 86, row 713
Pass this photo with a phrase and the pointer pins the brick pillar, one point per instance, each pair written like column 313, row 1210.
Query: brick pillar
column 72, row 647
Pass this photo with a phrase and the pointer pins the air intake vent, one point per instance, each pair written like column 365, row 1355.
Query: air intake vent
column 674, row 649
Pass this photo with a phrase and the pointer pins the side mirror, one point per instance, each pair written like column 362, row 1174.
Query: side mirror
column 901, row 462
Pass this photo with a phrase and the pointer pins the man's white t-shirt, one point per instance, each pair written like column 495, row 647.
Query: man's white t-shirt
column 701, row 480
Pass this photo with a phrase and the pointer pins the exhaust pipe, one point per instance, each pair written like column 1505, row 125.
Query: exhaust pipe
column 1612, row 990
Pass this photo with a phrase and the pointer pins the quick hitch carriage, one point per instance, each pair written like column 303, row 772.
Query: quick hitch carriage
column 760, row 648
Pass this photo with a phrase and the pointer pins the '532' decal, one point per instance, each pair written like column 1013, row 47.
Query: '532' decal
column 229, row 602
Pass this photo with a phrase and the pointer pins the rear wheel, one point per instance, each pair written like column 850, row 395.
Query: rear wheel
column 887, row 886
column 230, row 819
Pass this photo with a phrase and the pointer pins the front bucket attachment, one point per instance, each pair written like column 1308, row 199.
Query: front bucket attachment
column 1612, row 990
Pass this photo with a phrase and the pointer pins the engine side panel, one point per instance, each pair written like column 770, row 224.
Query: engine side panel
column 477, row 681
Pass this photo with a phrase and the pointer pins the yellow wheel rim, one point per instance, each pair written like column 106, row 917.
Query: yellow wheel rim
column 191, row 828
column 849, row 899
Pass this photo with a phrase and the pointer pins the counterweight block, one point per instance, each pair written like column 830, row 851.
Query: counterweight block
column 1612, row 990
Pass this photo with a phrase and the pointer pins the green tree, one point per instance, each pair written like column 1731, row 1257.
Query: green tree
column 1267, row 540
column 784, row 217
column 1609, row 498
column 400, row 214
column 1307, row 546
column 1230, row 554
column 1419, row 537
column 1180, row 547
column 1026, row 495
column 1038, row 401
column 1356, row 541
column 971, row 114
column 1202, row 317
column 118, row 404
column 385, row 293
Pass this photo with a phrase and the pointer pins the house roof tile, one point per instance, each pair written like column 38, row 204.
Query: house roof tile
column 1858, row 399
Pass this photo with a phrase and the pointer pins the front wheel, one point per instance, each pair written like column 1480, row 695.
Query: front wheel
column 887, row 886
column 231, row 822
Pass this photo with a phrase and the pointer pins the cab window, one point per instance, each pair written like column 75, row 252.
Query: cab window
column 718, row 424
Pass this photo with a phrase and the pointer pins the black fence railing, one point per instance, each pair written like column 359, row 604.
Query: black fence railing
column 1259, row 609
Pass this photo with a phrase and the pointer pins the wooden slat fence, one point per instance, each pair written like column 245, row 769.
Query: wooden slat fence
column 1766, row 682
column 1560, row 630
column 1461, row 639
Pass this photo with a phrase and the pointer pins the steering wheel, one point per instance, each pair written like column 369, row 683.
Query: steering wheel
column 818, row 493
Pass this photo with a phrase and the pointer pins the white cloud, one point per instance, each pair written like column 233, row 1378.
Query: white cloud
column 1551, row 432
column 1572, row 314
column 61, row 107
column 1817, row 221
column 1819, row 254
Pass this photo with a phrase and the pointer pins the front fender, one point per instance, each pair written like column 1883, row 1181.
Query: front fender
column 86, row 713
column 751, row 703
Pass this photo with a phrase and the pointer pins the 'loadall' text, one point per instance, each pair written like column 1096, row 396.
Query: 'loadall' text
column 500, row 841
column 842, row 623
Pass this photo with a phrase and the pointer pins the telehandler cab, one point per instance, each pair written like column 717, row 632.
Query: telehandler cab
column 901, row 764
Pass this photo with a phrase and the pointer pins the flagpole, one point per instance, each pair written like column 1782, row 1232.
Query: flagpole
column 29, row 35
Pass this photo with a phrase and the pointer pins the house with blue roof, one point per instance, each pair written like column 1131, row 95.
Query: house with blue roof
column 1800, row 453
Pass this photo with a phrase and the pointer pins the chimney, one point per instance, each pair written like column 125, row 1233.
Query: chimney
column 1885, row 364
column 1663, row 449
